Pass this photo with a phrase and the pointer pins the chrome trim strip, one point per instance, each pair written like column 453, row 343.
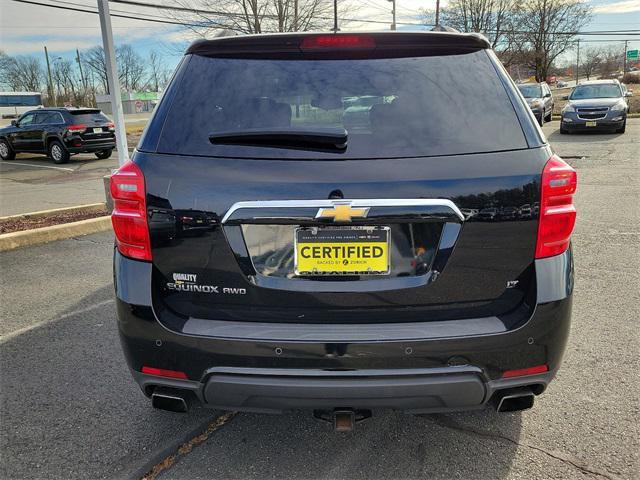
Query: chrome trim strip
column 373, row 202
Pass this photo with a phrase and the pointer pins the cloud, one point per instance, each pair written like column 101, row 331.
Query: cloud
column 624, row 6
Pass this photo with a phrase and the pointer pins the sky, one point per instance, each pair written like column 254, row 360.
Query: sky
column 25, row 29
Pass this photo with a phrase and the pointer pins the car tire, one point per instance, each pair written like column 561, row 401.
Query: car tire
column 541, row 120
column 103, row 154
column 6, row 152
column 622, row 128
column 58, row 153
column 549, row 117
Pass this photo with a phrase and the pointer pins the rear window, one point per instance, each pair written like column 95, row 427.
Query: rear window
column 391, row 107
column 88, row 116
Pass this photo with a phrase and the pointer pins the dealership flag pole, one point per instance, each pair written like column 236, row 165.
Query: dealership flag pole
column 112, row 80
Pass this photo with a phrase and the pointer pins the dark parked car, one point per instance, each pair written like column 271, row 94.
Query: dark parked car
column 59, row 133
column 596, row 105
column 335, row 270
column 539, row 99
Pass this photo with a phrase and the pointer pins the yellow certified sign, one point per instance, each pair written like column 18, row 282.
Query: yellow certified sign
column 358, row 250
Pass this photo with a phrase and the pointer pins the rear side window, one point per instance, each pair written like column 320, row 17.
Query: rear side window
column 390, row 107
column 88, row 116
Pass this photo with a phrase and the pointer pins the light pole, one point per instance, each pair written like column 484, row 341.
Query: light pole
column 437, row 13
column 393, row 12
column 112, row 81
column 51, row 92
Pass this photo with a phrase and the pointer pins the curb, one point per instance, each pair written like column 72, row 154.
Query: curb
column 91, row 207
column 37, row 236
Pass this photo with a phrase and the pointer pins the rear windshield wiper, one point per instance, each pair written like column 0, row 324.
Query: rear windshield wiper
column 322, row 139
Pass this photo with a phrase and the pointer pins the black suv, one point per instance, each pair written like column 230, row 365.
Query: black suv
column 540, row 100
column 269, row 259
column 59, row 133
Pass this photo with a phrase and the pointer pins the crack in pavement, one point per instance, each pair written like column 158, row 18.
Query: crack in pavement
column 563, row 457
column 186, row 447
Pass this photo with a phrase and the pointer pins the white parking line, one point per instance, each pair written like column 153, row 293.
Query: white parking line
column 39, row 166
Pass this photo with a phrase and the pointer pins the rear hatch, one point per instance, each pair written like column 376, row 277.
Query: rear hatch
column 329, row 184
column 92, row 125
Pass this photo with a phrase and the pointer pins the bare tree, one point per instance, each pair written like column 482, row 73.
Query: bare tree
column 158, row 72
column 259, row 16
column 591, row 60
column 612, row 62
column 21, row 72
column 96, row 64
column 131, row 68
column 493, row 18
column 546, row 29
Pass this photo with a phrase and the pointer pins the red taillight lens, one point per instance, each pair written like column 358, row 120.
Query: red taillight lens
column 161, row 372
column 557, row 212
column 76, row 128
column 129, row 216
column 337, row 41
column 111, row 126
column 525, row 371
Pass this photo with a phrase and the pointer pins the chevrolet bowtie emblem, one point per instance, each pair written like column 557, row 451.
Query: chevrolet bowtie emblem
column 342, row 212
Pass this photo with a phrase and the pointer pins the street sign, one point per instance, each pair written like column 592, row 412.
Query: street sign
column 631, row 54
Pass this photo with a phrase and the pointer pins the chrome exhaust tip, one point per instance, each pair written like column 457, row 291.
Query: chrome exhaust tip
column 171, row 400
column 514, row 400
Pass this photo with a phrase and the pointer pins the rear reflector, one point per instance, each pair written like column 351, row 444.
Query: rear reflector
column 129, row 216
column 557, row 212
column 337, row 41
column 77, row 128
column 525, row 371
column 161, row 372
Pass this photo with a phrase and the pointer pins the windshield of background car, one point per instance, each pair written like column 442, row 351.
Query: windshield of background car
column 596, row 91
column 390, row 107
column 530, row 91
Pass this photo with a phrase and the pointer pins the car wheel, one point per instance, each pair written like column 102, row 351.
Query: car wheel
column 549, row 117
column 622, row 128
column 541, row 120
column 58, row 153
column 102, row 154
column 6, row 152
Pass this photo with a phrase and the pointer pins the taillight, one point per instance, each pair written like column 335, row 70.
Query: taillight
column 129, row 216
column 557, row 212
column 522, row 372
column 76, row 128
column 162, row 372
column 337, row 41
column 111, row 126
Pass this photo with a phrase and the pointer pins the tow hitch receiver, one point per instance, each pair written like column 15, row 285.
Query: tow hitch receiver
column 343, row 419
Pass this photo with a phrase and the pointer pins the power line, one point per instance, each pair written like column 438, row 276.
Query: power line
column 219, row 13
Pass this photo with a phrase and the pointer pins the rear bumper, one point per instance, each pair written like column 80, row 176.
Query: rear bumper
column 573, row 123
column 419, row 368
column 91, row 146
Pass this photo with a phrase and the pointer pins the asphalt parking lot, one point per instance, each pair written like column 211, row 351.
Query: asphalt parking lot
column 70, row 409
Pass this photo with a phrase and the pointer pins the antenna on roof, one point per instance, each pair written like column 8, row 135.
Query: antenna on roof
column 335, row 16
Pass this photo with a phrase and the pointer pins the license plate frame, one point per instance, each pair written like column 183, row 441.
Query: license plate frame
column 336, row 237
column 591, row 123
column 97, row 130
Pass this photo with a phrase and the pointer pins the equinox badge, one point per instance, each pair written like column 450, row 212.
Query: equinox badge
column 342, row 212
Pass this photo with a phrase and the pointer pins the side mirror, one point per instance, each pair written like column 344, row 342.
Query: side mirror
column 14, row 123
column 628, row 93
column 547, row 95
column 565, row 97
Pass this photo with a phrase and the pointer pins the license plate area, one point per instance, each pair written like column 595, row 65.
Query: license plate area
column 591, row 123
column 97, row 130
column 361, row 250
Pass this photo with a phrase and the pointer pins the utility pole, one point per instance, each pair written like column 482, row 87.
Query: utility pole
column 393, row 12
column 295, row 15
column 52, row 95
column 335, row 16
column 112, row 80
column 82, row 79
column 578, row 63
column 624, row 67
column 437, row 13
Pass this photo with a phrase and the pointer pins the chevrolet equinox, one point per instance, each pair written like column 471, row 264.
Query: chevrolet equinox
column 269, row 257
